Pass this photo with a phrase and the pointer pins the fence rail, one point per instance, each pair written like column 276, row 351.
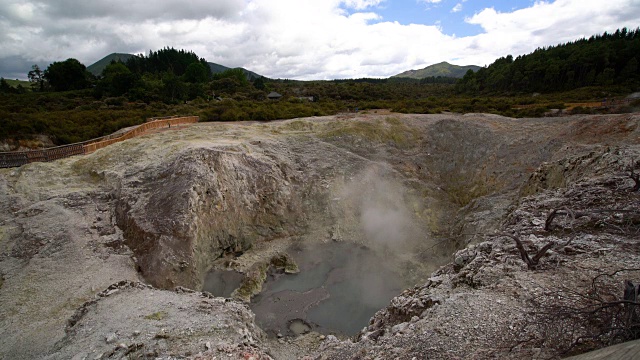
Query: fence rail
column 19, row 158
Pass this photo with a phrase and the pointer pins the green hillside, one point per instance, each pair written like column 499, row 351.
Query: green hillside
column 15, row 83
column 443, row 69
column 97, row 67
column 217, row 68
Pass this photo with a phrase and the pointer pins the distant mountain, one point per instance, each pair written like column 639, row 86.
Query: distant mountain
column 217, row 68
column 96, row 68
column 443, row 69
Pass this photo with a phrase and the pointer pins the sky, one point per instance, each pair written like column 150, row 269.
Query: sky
column 301, row 39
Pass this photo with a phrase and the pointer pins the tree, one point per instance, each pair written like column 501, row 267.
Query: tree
column 117, row 79
column 5, row 87
column 196, row 73
column 166, row 60
column 607, row 59
column 36, row 78
column 630, row 70
column 67, row 75
column 258, row 83
column 237, row 74
column 174, row 88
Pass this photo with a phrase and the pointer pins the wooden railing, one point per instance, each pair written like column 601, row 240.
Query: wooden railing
column 19, row 158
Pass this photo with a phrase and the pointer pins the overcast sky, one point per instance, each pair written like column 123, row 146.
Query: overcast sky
column 301, row 39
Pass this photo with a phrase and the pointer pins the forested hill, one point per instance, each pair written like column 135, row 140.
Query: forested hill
column 605, row 59
column 443, row 69
column 98, row 67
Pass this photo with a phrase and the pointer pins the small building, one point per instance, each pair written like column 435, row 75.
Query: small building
column 274, row 96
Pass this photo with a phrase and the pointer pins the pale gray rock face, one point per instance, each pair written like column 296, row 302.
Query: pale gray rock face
column 98, row 252
column 204, row 203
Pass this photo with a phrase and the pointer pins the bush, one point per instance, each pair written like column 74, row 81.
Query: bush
column 115, row 101
column 581, row 110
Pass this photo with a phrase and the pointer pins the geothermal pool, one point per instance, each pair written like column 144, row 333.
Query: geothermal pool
column 339, row 288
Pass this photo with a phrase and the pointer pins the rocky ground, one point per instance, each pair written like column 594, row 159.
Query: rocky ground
column 97, row 252
column 487, row 303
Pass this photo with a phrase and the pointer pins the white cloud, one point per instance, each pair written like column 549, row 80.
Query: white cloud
column 457, row 8
column 551, row 23
column 362, row 4
column 302, row 39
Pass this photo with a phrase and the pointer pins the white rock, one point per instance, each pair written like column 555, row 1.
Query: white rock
column 399, row 328
column 79, row 356
column 111, row 338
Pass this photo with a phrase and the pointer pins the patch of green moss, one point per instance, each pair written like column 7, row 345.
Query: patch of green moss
column 391, row 131
column 160, row 315
column 298, row 125
column 547, row 177
column 286, row 263
column 463, row 190
column 252, row 283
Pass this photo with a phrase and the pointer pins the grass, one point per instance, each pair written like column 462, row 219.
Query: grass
column 160, row 315
column 298, row 125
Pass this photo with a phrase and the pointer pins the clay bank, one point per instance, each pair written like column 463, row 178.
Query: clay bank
column 369, row 236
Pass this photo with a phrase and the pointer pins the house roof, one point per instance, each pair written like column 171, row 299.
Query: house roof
column 274, row 94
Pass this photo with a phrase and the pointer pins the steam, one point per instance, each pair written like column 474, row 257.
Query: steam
column 381, row 207
column 341, row 285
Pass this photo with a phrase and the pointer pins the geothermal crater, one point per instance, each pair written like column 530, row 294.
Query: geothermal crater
column 307, row 227
column 361, row 205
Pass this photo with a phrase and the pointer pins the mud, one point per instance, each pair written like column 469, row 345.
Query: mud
column 339, row 287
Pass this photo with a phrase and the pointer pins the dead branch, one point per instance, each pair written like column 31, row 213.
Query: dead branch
column 549, row 221
column 541, row 252
column 636, row 178
column 532, row 263
column 595, row 279
column 580, row 321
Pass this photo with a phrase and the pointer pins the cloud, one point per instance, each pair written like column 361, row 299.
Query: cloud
column 457, row 8
column 551, row 23
column 133, row 9
column 362, row 4
column 300, row 39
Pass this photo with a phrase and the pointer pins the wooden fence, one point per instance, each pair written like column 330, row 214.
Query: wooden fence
column 19, row 158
